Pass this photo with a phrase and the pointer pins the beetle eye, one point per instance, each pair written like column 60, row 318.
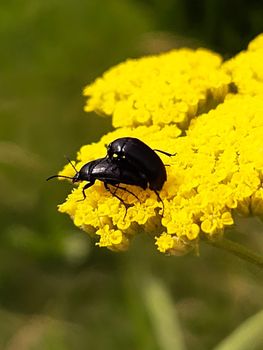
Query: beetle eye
column 123, row 157
column 115, row 155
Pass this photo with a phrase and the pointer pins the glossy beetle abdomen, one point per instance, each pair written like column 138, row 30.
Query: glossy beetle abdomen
column 141, row 157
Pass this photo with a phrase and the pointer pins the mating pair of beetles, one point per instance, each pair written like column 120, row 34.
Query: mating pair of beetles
column 128, row 161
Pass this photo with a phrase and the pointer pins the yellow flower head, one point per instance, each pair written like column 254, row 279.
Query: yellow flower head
column 246, row 69
column 218, row 167
column 159, row 90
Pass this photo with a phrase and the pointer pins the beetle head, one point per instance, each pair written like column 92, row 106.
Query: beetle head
column 76, row 177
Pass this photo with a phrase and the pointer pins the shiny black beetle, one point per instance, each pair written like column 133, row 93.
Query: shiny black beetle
column 140, row 157
column 110, row 173
column 128, row 161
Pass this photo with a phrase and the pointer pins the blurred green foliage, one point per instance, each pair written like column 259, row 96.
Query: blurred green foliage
column 225, row 26
column 58, row 291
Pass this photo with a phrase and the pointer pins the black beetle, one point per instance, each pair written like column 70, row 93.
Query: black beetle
column 140, row 157
column 128, row 161
column 110, row 173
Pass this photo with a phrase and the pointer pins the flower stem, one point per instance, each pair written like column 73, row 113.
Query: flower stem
column 238, row 250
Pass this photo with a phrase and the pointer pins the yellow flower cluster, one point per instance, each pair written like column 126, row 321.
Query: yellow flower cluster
column 159, row 90
column 218, row 167
column 246, row 69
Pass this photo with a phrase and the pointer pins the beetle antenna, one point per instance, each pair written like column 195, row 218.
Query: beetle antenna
column 70, row 162
column 53, row 176
column 166, row 153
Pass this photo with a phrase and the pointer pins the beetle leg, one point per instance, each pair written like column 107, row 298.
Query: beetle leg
column 89, row 184
column 125, row 189
column 160, row 199
column 166, row 153
column 106, row 185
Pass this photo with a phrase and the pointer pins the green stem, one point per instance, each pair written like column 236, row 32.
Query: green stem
column 238, row 250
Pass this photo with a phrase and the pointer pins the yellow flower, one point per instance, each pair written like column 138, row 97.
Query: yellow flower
column 159, row 90
column 215, row 219
column 172, row 245
column 113, row 239
column 218, row 167
column 246, row 69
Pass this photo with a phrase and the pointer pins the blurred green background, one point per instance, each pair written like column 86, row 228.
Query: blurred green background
column 57, row 290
